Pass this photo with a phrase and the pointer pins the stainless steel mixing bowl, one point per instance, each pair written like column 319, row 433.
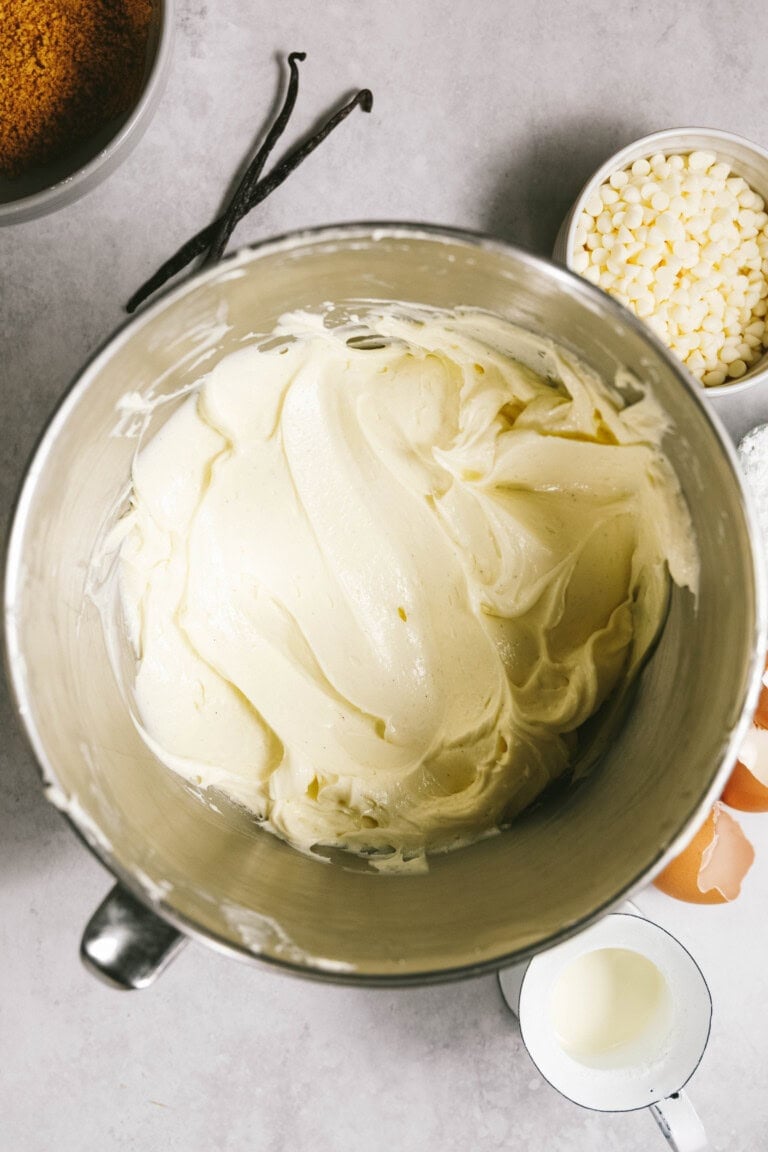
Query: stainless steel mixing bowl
column 212, row 873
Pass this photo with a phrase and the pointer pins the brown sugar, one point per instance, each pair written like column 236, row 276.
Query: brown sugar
column 67, row 67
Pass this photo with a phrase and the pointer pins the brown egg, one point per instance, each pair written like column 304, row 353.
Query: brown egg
column 761, row 714
column 747, row 789
column 744, row 791
column 710, row 870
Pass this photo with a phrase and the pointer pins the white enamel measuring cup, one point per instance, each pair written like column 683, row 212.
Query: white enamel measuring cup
column 616, row 1019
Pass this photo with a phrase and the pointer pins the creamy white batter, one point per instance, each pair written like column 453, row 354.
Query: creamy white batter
column 373, row 593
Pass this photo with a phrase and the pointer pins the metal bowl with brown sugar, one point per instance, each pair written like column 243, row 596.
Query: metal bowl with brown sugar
column 46, row 187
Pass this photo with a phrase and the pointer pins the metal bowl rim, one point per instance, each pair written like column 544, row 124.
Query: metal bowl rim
column 370, row 232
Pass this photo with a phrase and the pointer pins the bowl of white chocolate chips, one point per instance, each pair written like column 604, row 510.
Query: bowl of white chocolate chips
column 675, row 228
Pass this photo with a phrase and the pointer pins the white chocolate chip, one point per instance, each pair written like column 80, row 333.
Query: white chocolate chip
column 580, row 261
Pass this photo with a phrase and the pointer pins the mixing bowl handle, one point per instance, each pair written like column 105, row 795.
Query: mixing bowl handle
column 127, row 945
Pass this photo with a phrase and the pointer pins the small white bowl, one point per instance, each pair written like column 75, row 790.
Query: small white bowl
column 55, row 185
column 745, row 158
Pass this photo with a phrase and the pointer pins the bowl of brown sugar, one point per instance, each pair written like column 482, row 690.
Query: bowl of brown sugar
column 79, row 81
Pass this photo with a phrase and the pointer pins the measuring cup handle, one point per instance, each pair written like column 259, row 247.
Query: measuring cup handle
column 127, row 945
column 680, row 1124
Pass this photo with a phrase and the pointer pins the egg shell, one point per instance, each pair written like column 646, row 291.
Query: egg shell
column 680, row 877
column 744, row 791
column 761, row 714
column 724, row 850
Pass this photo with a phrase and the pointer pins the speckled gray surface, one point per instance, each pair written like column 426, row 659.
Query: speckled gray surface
column 488, row 115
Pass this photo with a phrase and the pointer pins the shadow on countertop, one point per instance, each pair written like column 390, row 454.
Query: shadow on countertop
column 535, row 189
column 29, row 825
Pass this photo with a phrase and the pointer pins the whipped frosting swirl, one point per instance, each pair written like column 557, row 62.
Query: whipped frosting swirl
column 374, row 589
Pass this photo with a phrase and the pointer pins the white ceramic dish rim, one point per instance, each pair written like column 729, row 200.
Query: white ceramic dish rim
column 682, row 139
column 105, row 161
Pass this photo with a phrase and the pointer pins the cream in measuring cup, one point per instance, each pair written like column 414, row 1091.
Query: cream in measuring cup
column 617, row 1019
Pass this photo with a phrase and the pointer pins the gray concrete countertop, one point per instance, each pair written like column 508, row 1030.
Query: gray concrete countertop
column 488, row 115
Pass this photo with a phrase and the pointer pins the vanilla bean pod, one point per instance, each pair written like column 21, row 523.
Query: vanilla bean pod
column 362, row 99
column 251, row 190
column 198, row 243
column 244, row 191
